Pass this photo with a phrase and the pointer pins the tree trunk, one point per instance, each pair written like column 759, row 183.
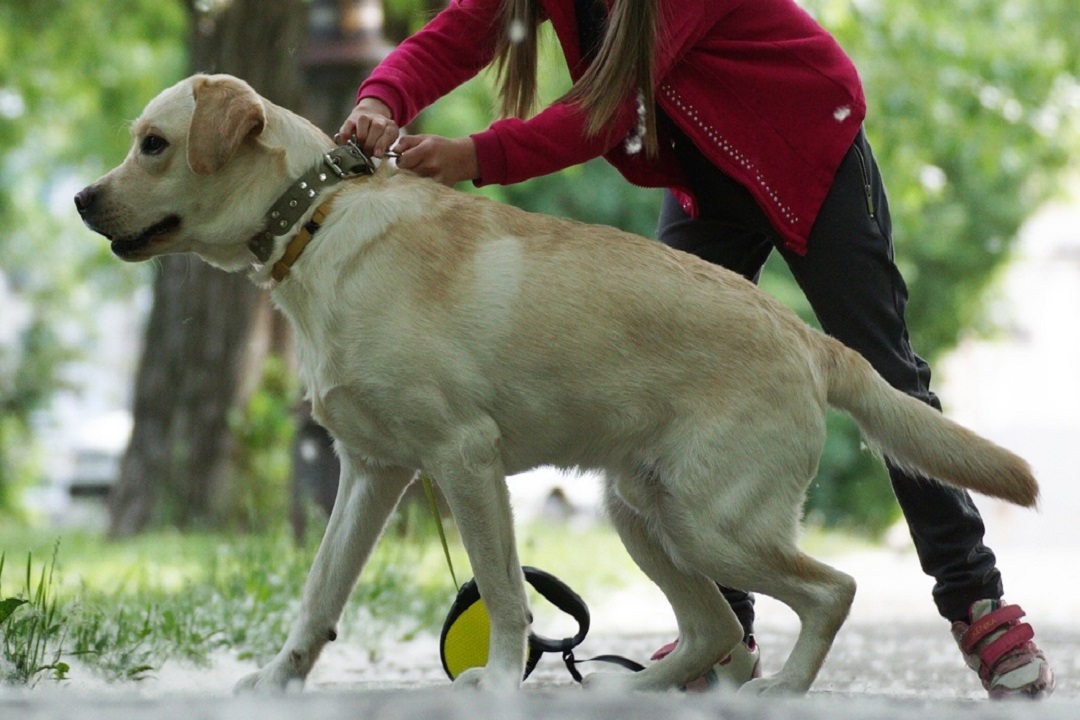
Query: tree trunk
column 198, row 338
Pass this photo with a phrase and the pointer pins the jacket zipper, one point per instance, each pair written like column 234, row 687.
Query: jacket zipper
column 867, row 189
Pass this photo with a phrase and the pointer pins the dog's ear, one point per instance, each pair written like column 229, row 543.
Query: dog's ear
column 227, row 112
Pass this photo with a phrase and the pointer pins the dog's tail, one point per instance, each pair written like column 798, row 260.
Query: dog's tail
column 916, row 437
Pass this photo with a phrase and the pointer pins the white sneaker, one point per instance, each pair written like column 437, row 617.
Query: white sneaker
column 1002, row 650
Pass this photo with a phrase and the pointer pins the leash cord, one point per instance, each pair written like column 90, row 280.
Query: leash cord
column 429, row 490
column 572, row 663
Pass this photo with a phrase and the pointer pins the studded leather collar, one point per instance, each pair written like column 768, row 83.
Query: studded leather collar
column 342, row 163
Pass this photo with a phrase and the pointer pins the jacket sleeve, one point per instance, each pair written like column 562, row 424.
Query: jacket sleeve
column 453, row 47
column 513, row 150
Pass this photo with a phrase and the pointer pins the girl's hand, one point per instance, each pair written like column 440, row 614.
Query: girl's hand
column 371, row 124
column 445, row 160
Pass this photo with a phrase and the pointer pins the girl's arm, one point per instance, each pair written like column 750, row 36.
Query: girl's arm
column 453, row 47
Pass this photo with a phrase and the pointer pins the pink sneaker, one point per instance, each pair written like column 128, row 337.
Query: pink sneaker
column 1001, row 649
column 735, row 670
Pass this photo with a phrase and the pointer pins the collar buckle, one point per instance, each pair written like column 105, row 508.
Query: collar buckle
column 349, row 161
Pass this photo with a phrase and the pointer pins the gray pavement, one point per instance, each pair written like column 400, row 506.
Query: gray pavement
column 891, row 671
column 537, row 702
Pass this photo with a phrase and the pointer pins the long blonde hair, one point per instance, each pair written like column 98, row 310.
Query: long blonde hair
column 623, row 66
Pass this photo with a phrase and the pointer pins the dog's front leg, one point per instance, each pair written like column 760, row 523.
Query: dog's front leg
column 365, row 499
column 480, row 502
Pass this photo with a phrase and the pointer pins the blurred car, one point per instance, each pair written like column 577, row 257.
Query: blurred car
column 97, row 450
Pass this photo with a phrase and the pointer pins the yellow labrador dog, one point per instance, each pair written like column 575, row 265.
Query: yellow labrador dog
column 443, row 332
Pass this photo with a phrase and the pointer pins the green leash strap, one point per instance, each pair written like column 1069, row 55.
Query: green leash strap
column 429, row 490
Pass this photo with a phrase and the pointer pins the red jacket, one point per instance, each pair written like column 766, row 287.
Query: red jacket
column 764, row 92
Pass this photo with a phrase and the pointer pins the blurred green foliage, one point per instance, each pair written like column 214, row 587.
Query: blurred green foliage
column 972, row 107
column 71, row 75
column 263, row 430
column 972, row 117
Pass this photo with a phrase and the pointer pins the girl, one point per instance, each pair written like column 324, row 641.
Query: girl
column 749, row 115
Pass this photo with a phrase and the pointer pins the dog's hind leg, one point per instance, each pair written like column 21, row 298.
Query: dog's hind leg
column 759, row 554
column 366, row 497
column 708, row 628
column 820, row 595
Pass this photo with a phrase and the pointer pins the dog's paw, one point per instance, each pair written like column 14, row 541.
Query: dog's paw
column 773, row 686
column 272, row 679
column 481, row 678
column 470, row 679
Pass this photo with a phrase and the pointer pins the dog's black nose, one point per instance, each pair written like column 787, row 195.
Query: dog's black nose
column 84, row 199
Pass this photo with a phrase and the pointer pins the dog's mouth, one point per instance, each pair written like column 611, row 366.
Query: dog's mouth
column 131, row 248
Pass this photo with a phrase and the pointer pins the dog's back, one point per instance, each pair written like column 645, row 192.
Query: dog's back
column 584, row 344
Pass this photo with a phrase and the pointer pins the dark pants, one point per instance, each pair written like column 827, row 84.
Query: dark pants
column 853, row 285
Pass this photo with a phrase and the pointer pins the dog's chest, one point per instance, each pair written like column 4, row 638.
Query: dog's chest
column 374, row 392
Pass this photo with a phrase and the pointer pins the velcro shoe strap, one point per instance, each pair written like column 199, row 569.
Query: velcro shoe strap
column 664, row 651
column 1011, row 640
column 988, row 623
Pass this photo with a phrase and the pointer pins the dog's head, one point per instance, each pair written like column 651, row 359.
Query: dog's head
column 199, row 176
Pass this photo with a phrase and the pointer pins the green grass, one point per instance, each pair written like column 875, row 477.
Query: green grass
column 120, row 610
column 33, row 632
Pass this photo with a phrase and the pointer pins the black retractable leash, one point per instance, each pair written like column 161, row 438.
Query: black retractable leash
column 466, row 633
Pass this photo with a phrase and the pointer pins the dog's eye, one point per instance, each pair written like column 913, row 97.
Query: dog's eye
column 153, row 145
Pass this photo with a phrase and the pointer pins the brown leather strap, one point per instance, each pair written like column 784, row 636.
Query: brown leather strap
column 298, row 243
